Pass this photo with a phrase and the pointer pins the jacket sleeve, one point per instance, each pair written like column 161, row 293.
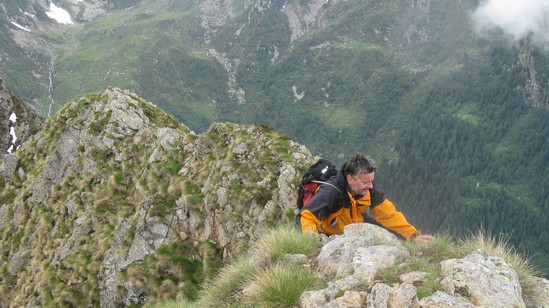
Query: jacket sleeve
column 385, row 212
column 307, row 222
column 318, row 209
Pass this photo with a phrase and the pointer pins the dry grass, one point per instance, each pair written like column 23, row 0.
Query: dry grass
column 280, row 285
column 264, row 277
column 500, row 247
column 284, row 240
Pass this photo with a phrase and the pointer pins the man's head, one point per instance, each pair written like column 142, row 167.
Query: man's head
column 360, row 172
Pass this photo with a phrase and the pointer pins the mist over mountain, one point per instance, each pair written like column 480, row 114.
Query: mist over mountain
column 451, row 98
column 516, row 19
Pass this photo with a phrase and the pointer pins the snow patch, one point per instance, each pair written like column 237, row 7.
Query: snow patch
column 13, row 118
column 20, row 27
column 297, row 96
column 12, row 133
column 59, row 14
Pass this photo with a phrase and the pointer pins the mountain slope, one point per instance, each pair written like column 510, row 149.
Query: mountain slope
column 117, row 199
column 454, row 119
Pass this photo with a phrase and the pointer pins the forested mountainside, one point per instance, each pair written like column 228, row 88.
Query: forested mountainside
column 453, row 110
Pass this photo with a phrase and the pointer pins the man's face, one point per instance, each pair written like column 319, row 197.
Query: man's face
column 361, row 183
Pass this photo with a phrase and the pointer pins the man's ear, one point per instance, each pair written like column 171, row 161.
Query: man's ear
column 348, row 177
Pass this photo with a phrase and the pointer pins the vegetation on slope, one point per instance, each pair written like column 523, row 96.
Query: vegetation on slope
column 98, row 210
column 446, row 113
column 265, row 276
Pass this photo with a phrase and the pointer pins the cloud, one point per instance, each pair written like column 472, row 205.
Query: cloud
column 516, row 18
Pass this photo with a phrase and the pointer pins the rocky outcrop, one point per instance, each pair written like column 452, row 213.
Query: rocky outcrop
column 303, row 16
column 350, row 263
column 18, row 121
column 534, row 91
column 112, row 189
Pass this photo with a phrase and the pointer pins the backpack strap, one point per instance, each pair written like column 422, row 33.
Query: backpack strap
column 321, row 182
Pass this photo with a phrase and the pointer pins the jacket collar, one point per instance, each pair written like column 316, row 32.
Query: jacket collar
column 341, row 182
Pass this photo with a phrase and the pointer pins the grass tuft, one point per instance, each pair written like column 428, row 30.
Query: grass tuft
column 263, row 277
column 284, row 240
column 279, row 286
column 225, row 288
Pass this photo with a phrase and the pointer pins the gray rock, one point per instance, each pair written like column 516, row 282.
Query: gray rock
column 3, row 215
column 336, row 257
column 11, row 164
column 222, row 196
column 349, row 299
column 368, row 260
column 297, row 258
column 240, row 149
column 313, row 299
column 59, row 163
column 382, row 295
column 413, row 278
column 484, row 280
column 442, row 300
column 108, row 276
column 286, row 188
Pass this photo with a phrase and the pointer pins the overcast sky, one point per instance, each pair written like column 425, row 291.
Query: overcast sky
column 517, row 18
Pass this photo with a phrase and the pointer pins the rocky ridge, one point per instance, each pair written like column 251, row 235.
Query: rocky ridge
column 113, row 188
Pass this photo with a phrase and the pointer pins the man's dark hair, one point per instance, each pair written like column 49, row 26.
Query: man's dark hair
column 359, row 163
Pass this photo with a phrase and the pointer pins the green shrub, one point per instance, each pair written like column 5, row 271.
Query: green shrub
column 177, row 270
column 119, row 178
column 174, row 166
column 97, row 126
column 162, row 205
column 8, row 195
column 193, row 193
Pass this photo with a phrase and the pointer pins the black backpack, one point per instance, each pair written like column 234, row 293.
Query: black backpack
column 313, row 177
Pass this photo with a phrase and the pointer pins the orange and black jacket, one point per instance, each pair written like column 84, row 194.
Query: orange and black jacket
column 331, row 209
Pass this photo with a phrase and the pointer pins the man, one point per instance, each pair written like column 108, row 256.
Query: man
column 346, row 198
